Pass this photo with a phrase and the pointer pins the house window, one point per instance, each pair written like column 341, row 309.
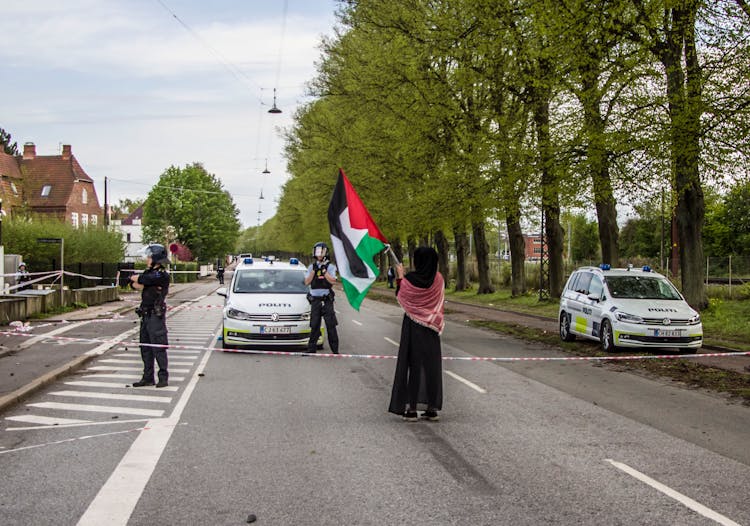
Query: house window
column 14, row 188
column 46, row 189
column 93, row 219
column 85, row 219
column 74, row 219
column 84, row 197
column 128, row 240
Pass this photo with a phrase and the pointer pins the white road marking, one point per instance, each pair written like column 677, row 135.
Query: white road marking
column 116, row 500
column 99, row 408
column 85, row 423
column 679, row 497
column 129, row 376
column 465, row 382
column 122, row 385
column 36, row 339
column 110, row 367
column 47, row 421
column 171, row 362
column 357, row 322
column 114, row 396
column 391, row 341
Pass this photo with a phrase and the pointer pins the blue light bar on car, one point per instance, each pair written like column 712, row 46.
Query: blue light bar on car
column 646, row 268
column 248, row 261
column 605, row 266
column 294, row 261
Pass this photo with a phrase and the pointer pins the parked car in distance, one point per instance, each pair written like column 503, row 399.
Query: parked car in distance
column 627, row 307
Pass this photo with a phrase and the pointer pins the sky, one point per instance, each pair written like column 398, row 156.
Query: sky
column 137, row 86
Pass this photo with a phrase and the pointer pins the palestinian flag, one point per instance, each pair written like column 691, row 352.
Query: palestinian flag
column 356, row 240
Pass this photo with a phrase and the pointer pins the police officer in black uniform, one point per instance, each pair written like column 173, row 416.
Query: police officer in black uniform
column 220, row 271
column 321, row 275
column 154, row 284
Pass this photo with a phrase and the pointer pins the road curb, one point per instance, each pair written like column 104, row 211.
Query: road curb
column 35, row 385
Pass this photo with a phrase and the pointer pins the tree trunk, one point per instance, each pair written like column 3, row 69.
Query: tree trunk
column 482, row 249
column 598, row 161
column 461, row 240
column 412, row 246
column 442, row 249
column 517, row 245
column 685, row 109
column 550, row 191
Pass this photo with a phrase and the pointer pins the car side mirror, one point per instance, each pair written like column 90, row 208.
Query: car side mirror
column 222, row 291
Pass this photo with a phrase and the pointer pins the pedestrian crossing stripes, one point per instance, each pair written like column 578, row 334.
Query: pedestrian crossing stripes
column 103, row 390
column 45, row 420
column 114, row 396
column 115, row 385
column 99, row 409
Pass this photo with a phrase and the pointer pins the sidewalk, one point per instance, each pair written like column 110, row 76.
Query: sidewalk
column 462, row 312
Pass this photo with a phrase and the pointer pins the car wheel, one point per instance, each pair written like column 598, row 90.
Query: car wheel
column 607, row 337
column 565, row 334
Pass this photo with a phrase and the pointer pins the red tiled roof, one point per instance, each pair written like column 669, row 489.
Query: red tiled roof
column 9, row 166
column 58, row 172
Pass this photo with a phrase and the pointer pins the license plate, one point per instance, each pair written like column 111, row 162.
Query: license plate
column 275, row 330
column 673, row 333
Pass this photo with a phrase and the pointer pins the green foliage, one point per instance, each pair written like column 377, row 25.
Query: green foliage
column 11, row 148
column 190, row 267
column 82, row 245
column 189, row 205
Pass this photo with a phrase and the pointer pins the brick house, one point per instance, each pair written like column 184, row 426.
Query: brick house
column 49, row 185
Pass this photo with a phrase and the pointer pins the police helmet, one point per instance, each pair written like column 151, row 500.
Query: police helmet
column 21, row 264
column 320, row 249
column 157, row 253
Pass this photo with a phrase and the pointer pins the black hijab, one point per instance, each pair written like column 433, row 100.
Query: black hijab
column 425, row 268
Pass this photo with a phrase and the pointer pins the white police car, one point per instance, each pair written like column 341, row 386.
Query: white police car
column 627, row 308
column 266, row 305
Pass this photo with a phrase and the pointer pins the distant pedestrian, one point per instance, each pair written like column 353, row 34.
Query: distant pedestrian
column 391, row 276
column 220, row 273
column 22, row 276
column 418, row 381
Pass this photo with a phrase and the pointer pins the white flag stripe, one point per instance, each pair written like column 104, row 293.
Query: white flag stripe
column 113, row 396
column 346, row 273
column 45, row 420
column 99, row 408
column 121, row 385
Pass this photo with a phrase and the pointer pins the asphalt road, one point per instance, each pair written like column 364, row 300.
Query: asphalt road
column 307, row 439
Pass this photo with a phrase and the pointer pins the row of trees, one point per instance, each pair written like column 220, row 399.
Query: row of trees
column 446, row 113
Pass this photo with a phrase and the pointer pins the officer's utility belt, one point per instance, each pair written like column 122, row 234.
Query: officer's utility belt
column 326, row 297
column 156, row 310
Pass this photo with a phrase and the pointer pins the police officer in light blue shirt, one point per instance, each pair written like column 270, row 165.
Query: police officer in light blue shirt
column 321, row 275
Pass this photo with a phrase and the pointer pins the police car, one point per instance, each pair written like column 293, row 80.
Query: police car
column 266, row 305
column 627, row 308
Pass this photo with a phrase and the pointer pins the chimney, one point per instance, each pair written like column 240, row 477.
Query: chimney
column 66, row 151
column 29, row 150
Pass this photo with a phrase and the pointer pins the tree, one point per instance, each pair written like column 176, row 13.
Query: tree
column 189, row 205
column 125, row 207
column 11, row 148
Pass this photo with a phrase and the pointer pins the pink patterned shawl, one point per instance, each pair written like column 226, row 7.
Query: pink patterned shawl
column 424, row 306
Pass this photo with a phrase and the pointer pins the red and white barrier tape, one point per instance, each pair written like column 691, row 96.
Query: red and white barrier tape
column 392, row 356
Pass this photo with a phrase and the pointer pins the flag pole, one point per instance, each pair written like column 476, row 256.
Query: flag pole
column 393, row 254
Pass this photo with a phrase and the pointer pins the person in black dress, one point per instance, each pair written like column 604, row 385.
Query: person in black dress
column 418, row 381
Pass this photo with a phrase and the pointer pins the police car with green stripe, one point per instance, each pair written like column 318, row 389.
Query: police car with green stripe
column 627, row 307
column 266, row 305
